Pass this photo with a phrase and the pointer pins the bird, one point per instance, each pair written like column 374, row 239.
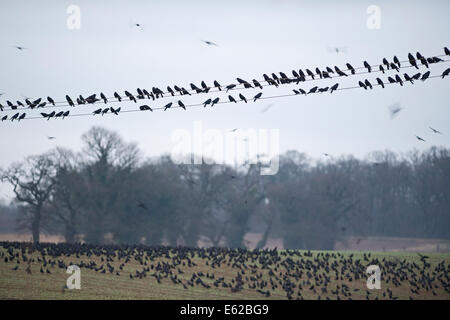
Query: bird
column 116, row 95
column 215, row 101
column 181, row 104
column 4, row 118
column 20, row 48
column 257, row 96
column 367, row 65
column 145, row 107
column 398, row 79
column 397, row 61
column 210, row 43
column 103, row 97
column 435, row 131
column 394, row 109
column 425, row 76
column 22, row 116
column 380, row 82
column 362, row 85
column 350, row 67
column 50, row 100
column 313, row 90
column 51, row 137
column 98, row 111
column 340, row 72
column 142, row 206
column 445, row 73
column 381, row 68
column 242, row 97
column 231, row 86
column 167, row 106
column 206, row 103
column 65, row 114
column 334, row 87
column 115, row 111
column 69, row 100
column 14, row 117
column 446, row 51
column 419, row 138
column 257, row 84
column 230, row 97
column 408, row 78
column 368, row 84
column 217, row 85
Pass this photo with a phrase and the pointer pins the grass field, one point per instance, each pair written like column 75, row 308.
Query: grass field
column 287, row 268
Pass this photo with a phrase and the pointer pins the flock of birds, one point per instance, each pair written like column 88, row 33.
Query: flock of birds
column 274, row 79
column 290, row 274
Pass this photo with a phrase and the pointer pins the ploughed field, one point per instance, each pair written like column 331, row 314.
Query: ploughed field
column 143, row 272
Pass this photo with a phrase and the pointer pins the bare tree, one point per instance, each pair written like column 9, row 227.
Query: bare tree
column 33, row 183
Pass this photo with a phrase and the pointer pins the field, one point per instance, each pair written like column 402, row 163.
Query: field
column 139, row 272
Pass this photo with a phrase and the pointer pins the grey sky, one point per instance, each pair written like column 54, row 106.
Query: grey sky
column 255, row 37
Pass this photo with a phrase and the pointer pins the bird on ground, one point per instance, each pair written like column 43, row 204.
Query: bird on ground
column 435, row 131
column 419, row 138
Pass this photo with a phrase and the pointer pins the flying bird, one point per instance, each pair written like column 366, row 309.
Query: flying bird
column 420, row 139
column 435, row 131
column 210, row 43
column 20, row 48
column 395, row 109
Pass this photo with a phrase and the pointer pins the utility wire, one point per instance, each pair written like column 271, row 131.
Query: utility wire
column 222, row 102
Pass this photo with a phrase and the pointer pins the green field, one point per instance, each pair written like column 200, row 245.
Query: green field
column 282, row 268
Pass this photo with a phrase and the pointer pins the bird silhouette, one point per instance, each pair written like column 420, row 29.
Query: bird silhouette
column 350, row 67
column 232, row 99
column 167, row 106
column 181, row 104
column 145, row 107
column 50, row 100
column 425, row 76
column 215, row 101
column 217, row 85
column 210, row 43
column 419, row 138
column 206, row 103
column 117, row 96
column 257, row 96
column 241, row 96
column 445, row 73
column 435, row 131
column 334, row 87
column 103, row 97
column 368, row 67
column 380, row 82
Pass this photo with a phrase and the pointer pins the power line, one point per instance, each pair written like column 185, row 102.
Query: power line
column 221, row 102
column 241, row 86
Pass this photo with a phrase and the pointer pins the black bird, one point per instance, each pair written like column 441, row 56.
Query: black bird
column 242, row 97
column 380, row 82
column 319, row 73
column 447, row 52
column 98, row 111
column 313, row 90
column 206, row 103
column 232, row 99
column 445, row 73
column 329, row 70
column 103, row 97
column 381, row 68
column 14, row 117
column 115, row 111
column 416, row 76
column 302, row 91
column 116, row 95
column 420, row 139
column 386, row 63
column 50, row 100
column 368, row 84
column 22, row 116
column 339, row 72
column 92, row 99
column 181, row 104
column 391, row 80
column 169, row 89
column 204, row 86
column 397, row 61
column 435, row 131
column 4, row 118
column 59, row 114
column 140, row 93
column 408, row 78
column 1, row 107
column 424, row 62
column 142, row 206
column 309, row 72
column 167, row 106
column 334, row 87
column 398, row 79
column 362, row 85
column 51, row 115
column 257, row 84
column 394, row 66
column 65, row 114
column 217, row 85
column 257, row 96
column 367, row 65
column 349, row 66
column 425, row 76
column 215, row 101
column 145, row 107
column 69, row 100
column 230, row 86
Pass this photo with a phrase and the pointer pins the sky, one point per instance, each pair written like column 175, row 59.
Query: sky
column 109, row 53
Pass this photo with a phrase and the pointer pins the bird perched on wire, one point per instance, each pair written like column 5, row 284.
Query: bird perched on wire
column 425, row 76
column 241, row 96
column 257, row 96
column 231, row 98
column 367, row 65
column 69, row 100
column 181, row 104
column 167, row 106
column 334, row 87
column 445, row 73
column 145, row 107
column 350, row 67
column 380, row 82
column 215, row 101
column 115, row 111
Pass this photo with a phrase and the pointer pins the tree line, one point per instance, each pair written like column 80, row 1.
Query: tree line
column 109, row 192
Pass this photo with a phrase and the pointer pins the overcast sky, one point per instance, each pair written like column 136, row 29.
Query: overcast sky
column 108, row 53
